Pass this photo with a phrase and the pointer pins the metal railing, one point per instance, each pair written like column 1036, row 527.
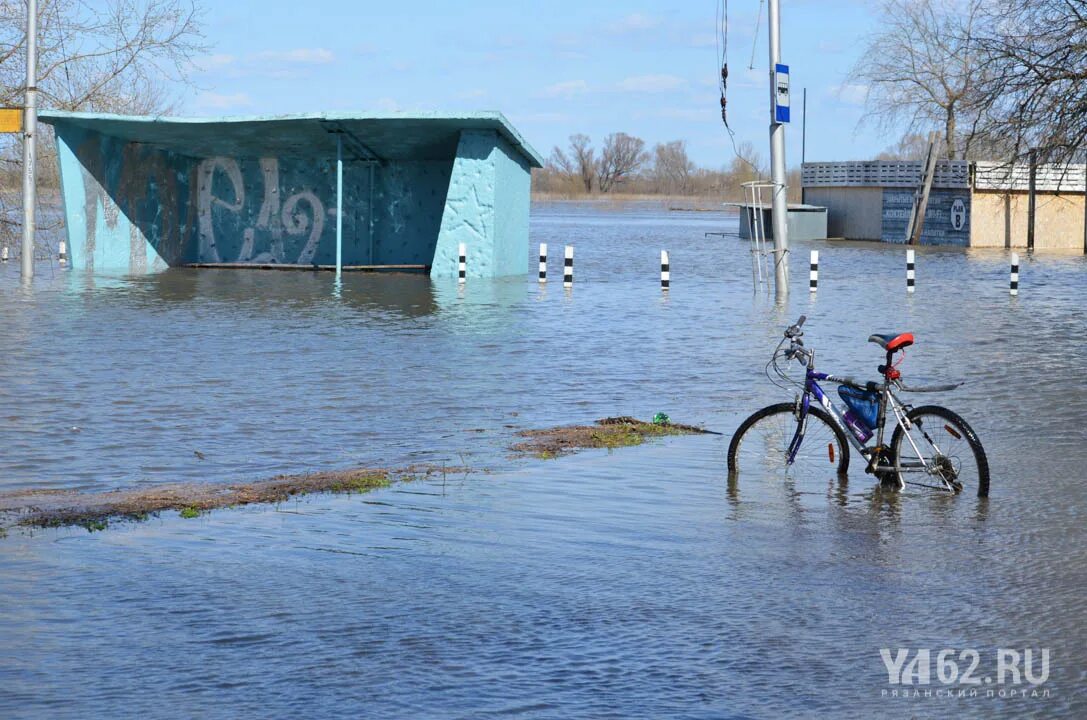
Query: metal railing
column 757, row 198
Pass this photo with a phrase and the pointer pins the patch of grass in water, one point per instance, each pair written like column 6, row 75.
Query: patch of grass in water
column 190, row 512
column 363, row 482
column 95, row 525
column 616, row 436
column 608, row 434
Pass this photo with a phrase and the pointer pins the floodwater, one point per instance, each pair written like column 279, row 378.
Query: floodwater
column 638, row 583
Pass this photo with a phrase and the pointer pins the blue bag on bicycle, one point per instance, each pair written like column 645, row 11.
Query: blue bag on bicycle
column 863, row 403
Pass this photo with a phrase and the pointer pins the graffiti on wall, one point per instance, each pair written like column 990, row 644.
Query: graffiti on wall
column 137, row 206
column 126, row 210
column 302, row 214
column 141, row 205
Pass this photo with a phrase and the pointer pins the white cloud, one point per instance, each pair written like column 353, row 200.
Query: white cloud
column 635, row 22
column 215, row 61
column 386, row 105
column 303, row 56
column 216, row 101
column 850, row 93
column 652, row 83
column 757, row 78
column 472, row 94
column 565, row 89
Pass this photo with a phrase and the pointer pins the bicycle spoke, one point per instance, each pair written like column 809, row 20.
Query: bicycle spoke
column 937, row 452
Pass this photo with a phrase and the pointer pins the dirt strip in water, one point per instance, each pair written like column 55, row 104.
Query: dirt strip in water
column 614, row 432
column 44, row 508
column 94, row 511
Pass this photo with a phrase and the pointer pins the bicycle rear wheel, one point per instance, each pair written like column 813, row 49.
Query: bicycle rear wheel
column 760, row 446
column 947, row 456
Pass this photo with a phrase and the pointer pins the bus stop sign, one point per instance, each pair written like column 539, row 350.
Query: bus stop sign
column 781, row 93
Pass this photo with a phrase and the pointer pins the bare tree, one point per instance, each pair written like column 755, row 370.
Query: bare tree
column 747, row 165
column 621, row 157
column 111, row 56
column 1034, row 87
column 671, row 167
column 580, row 163
column 921, row 70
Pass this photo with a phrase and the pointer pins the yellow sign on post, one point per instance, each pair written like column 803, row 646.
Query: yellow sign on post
column 11, row 120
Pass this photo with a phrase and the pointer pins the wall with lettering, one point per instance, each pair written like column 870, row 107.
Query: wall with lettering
column 947, row 219
column 131, row 207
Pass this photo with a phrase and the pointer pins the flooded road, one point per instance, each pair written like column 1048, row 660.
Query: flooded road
column 636, row 583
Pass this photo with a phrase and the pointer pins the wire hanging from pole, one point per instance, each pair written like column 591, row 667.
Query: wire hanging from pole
column 722, row 56
column 722, row 60
column 755, row 37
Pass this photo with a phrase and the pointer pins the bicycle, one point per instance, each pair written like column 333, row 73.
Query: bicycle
column 930, row 445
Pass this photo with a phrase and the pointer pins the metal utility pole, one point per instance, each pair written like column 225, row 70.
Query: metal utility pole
column 1031, row 198
column 804, row 129
column 30, row 139
column 803, row 142
column 779, row 115
column 339, row 205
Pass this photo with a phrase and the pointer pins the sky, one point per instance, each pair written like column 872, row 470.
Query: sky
column 644, row 67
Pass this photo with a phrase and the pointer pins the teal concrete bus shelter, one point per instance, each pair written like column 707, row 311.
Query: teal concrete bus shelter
column 327, row 191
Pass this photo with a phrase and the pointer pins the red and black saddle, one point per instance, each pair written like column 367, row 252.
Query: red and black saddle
column 892, row 343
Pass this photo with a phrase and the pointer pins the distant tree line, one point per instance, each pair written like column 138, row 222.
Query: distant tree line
column 624, row 165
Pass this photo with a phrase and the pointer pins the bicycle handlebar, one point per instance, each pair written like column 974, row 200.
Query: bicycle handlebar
column 794, row 331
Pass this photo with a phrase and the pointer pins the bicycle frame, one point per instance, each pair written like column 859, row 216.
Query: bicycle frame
column 813, row 389
column 887, row 398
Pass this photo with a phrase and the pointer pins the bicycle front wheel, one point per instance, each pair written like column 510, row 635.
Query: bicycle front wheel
column 760, row 446
column 940, row 451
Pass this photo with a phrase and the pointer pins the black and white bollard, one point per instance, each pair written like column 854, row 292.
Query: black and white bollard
column 1014, row 288
column 62, row 253
column 813, row 277
column 568, row 267
column 666, row 273
column 4, row 254
column 910, row 278
column 543, row 262
column 462, row 263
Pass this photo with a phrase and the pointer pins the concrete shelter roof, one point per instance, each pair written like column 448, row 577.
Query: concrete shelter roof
column 378, row 136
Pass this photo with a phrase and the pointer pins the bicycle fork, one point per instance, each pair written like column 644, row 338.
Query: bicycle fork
column 801, row 410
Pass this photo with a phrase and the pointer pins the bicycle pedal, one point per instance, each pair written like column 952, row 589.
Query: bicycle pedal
column 875, row 458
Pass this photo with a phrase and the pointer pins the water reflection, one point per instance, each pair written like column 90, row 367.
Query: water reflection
column 640, row 583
